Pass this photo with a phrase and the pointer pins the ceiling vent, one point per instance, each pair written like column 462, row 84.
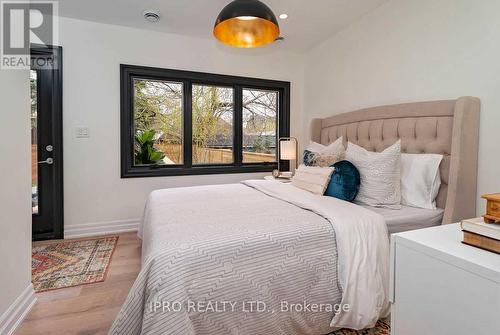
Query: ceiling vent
column 151, row 15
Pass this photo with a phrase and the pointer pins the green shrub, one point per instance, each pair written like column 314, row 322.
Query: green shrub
column 145, row 152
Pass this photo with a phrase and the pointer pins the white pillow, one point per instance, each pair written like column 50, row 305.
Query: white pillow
column 320, row 155
column 380, row 175
column 330, row 149
column 314, row 179
column 420, row 179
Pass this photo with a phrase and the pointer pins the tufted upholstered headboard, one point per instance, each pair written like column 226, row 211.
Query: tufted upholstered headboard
column 447, row 127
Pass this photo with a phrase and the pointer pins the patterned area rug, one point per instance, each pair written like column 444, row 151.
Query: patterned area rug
column 383, row 327
column 71, row 263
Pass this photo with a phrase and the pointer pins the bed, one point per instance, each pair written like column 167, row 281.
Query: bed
column 262, row 257
column 446, row 127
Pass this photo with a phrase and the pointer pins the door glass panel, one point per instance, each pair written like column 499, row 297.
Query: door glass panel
column 34, row 137
column 259, row 125
column 213, row 110
column 158, row 122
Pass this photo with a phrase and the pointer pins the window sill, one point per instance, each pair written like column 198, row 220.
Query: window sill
column 142, row 172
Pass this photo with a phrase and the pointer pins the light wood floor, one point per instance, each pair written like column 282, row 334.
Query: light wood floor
column 88, row 309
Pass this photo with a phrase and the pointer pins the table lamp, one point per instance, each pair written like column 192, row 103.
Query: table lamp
column 288, row 151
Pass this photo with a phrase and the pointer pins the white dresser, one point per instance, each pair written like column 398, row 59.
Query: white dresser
column 440, row 286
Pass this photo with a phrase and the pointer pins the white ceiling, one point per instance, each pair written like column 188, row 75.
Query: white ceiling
column 309, row 21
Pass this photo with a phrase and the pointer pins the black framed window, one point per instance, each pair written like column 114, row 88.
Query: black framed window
column 182, row 123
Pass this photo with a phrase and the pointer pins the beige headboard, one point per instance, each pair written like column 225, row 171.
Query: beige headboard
column 447, row 127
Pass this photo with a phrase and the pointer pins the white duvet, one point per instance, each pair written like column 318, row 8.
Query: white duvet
column 363, row 252
column 259, row 240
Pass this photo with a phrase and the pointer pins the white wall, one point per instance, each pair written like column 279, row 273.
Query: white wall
column 92, row 52
column 409, row 50
column 15, row 186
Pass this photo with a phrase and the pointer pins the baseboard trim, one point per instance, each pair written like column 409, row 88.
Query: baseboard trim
column 16, row 312
column 101, row 228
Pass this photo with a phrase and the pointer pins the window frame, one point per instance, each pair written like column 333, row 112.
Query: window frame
column 128, row 73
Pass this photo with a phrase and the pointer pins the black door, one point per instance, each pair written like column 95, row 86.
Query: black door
column 46, row 142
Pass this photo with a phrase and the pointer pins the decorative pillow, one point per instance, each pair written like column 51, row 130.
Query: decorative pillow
column 322, row 160
column 312, row 178
column 320, row 155
column 331, row 148
column 380, row 175
column 309, row 157
column 344, row 182
column 420, row 179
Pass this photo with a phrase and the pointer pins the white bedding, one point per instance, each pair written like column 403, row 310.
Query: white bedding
column 260, row 240
column 363, row 250
column 409, row 218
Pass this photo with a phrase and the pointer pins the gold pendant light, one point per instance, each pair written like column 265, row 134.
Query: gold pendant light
column 246, row 24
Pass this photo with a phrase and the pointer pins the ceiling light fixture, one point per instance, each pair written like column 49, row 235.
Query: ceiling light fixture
column 283, row 16
column 246, row 24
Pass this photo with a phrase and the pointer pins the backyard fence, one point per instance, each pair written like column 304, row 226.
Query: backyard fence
column 212, row 155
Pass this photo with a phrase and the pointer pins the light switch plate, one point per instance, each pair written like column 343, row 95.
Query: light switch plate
column 82, row 132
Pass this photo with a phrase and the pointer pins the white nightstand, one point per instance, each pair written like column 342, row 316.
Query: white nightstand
column 279, row 180
column 441, row 286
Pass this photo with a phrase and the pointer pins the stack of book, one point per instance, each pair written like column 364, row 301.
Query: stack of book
column 482, row 235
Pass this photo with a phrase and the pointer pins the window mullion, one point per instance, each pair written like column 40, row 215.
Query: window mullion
column 188, row 124
column 283, row 121
column 238, row 125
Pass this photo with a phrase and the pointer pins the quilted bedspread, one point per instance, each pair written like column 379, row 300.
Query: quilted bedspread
column 256, row 258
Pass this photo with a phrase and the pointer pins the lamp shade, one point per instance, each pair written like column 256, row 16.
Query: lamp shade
column 246, row 24
column 288, row 150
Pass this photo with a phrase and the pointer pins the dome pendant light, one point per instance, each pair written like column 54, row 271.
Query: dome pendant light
column 246, row 24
